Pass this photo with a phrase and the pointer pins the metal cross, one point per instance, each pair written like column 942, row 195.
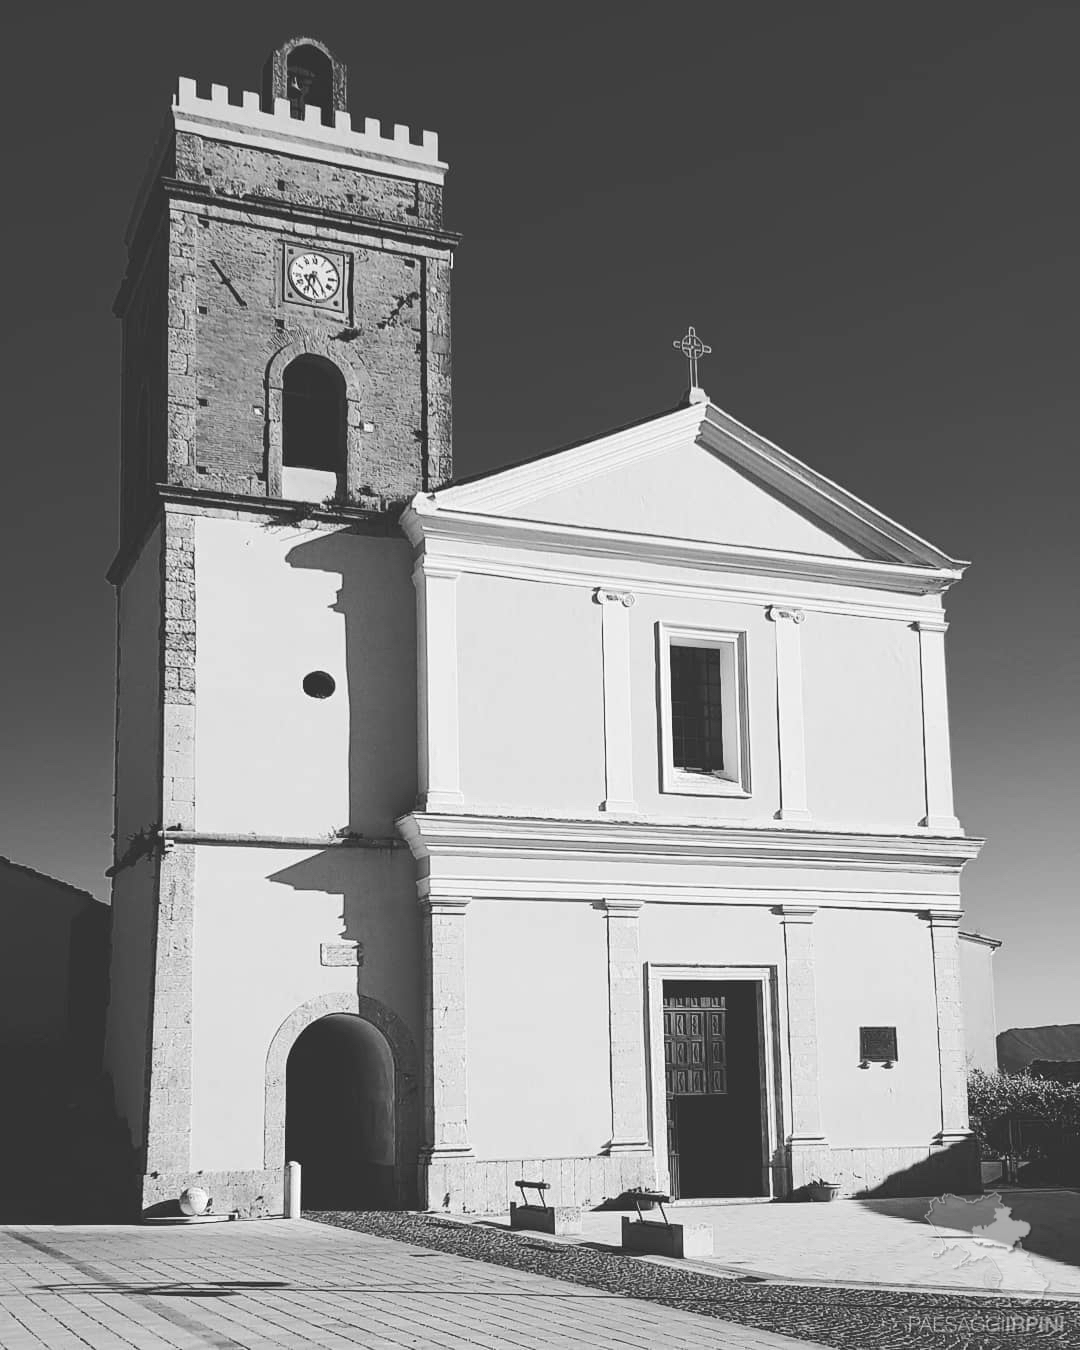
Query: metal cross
column 693, row 349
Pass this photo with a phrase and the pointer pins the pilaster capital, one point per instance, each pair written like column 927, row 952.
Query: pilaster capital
column 621, row 909
column 796, row 913
column 942, row 918
column 930, row 626
column 426, row 569
column 602, row 595
column 444, row 904
column 778, row 612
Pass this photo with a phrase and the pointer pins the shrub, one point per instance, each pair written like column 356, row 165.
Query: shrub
column 995, row 1097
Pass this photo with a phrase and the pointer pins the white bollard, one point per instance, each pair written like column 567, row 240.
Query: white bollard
column 292, row 1190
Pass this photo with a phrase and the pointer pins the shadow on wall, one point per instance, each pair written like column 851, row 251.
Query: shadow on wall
column 53, row 990
column 369, row 1069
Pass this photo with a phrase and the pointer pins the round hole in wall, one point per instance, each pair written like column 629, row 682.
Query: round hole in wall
column 319, row 685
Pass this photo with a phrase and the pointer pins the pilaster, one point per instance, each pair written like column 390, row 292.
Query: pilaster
column 626, row 1028
column 439, row 769
column 937, row 755
column 791, row 742
column 801, row 988
column 615, row 607
column 945, row 946
column 168, row 1109
column 446, row 1109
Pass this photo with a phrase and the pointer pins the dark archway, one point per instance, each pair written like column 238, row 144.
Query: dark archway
column 340, row 1114
column 313, row 416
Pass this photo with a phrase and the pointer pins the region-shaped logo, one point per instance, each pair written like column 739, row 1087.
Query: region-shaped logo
column 981, row 1237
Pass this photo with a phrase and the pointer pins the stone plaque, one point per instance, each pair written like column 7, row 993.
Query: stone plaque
column 877, row 1045
column 340, row 954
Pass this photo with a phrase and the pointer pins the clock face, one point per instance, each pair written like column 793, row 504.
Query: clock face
column 314, row 276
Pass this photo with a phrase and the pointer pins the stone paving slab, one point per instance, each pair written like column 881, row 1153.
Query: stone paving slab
column 255, row 1286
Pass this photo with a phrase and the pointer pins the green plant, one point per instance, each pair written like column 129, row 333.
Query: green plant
column 995, row 1098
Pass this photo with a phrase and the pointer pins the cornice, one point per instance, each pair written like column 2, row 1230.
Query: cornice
column 438, row 835
column 177, row 189
column 426, row 525
column 980, row 940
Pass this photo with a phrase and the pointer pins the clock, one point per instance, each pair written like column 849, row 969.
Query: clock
column 314, row 277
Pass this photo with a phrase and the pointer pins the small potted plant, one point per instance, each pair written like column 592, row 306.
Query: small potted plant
column 822, row 1190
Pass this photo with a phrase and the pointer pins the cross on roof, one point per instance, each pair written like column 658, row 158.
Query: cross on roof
column 693, row 349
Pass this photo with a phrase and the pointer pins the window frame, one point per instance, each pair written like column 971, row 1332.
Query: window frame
column 734, row 779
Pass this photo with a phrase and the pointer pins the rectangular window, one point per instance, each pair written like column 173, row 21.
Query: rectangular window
column 697, row 713
column 703, row 712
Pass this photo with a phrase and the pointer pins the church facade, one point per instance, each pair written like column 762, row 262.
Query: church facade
column 591, row 819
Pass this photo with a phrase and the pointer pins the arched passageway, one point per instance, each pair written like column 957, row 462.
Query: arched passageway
column 340, row 1114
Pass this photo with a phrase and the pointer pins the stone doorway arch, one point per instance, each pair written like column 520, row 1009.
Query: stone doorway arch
column 406, row 1103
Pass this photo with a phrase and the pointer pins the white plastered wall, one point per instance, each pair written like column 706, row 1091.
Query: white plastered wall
column 531, row 714
column 275, row 603
column 530, row 696
column 261, row 917
column 538, row 1058
column 876, row 969
column 863, row 720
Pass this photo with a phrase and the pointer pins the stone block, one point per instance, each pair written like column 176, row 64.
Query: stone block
column 558, row 1220
column 681, row 1240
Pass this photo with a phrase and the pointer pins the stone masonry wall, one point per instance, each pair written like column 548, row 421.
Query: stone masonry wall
column 240, row 322
column 239, row 171
column 227, row 319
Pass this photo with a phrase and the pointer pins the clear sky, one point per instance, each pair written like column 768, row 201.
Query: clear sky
column 870, row 211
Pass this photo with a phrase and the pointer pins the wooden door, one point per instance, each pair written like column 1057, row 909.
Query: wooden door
column 695, row 1064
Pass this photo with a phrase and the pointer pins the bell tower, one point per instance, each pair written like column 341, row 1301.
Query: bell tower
column 271, row 230
column 285, row 390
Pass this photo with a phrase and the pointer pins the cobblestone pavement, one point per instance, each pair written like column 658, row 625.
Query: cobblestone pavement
column 301, row 1285
column 847, row 1318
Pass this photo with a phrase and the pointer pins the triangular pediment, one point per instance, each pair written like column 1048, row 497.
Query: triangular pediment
column 693, row 475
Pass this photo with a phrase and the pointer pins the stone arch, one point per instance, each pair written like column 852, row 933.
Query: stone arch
column 275, row 75
column 358, row 394
column 406, row 1082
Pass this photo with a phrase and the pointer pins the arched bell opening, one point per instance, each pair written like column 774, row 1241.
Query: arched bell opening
column 313, row 403
column 340, row 1114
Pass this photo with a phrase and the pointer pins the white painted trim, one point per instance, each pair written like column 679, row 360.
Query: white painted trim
column 307, row 137
column 424, row 520
column 937, row 754
column 507, row 491
column 615, row 609
column 800, row 1022
column 791, row 738
column 663, row 891
column 626, row 1040
column 734, row 779
column 438, row 742
column 770, row 1062
column 476, row 835
column 499, row 558
column 944, row 927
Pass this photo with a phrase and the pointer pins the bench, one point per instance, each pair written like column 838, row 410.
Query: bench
column 558, row 1220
